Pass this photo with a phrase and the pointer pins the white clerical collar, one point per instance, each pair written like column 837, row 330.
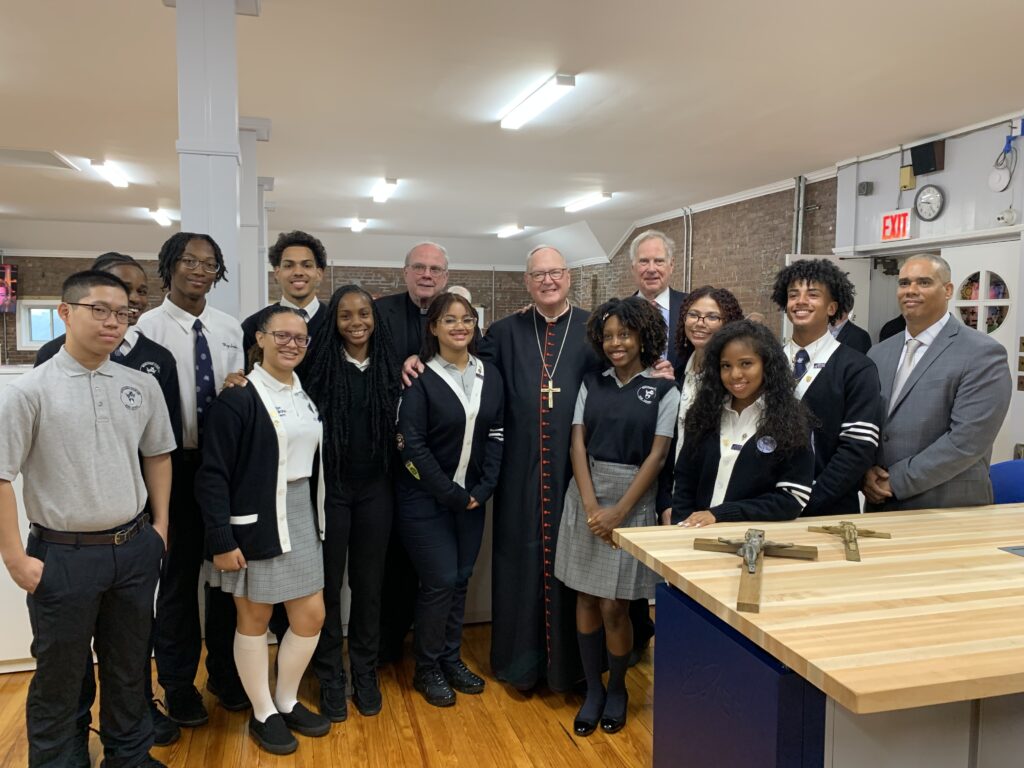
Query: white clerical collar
column 310, row 309
column 553, row 318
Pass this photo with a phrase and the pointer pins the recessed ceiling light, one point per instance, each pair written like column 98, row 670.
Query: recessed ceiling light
column 383, row 190
column 554, row 89
column 510, row 231
column 586, row 202
column 160, row 216
column 111, row 173
column 358, row 225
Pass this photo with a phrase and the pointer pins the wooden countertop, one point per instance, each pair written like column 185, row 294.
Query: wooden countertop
column 933, row 615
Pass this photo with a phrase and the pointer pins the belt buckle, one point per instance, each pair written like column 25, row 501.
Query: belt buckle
column 121, row 536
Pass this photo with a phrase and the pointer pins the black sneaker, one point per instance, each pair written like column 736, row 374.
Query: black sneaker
column 301, row 720
column 165, row 732
column 461, row 678
column 433, row 686
column 333, row 702
column 273, row 735
column 185, row 707
column 366, row 696
column 231, row 696
column 147, row 762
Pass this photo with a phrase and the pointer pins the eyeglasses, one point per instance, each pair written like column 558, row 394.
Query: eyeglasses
column 283, row 339
column 192, row 264
column 101, row 312
column 448, row 321
column 711, row 318
column 539, row 275
column 420, row 269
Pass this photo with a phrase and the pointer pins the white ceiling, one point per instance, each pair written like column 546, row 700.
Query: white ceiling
column 675, row 103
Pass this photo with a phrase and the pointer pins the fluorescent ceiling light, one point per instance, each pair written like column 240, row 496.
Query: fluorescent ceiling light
column 111, row 173
column 383, row 189
column 160, row 216
column 538, row 101
column 586, row 202
column 358, row 225
column 511, row 231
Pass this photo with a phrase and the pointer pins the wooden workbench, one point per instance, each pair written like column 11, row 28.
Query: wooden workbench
column 932, row 616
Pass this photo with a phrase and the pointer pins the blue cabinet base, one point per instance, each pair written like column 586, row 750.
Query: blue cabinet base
column 722, row 702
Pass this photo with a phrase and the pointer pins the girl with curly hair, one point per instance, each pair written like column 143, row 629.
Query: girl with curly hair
column 622, row 428
column 747, row 453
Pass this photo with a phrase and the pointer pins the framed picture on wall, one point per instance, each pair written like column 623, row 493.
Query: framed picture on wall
column 8, row 287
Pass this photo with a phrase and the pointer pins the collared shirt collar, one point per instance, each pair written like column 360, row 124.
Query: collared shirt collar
column 814, row 347
column 836, row 329
column 72, row 367
column 929, row 334
column 662, row 299
column 757, row 406
column 273, row 384
column 183, row 317
column 310, row 309
column 131, row 336
column 444, row 363
column 647, row 373
column 362, row 365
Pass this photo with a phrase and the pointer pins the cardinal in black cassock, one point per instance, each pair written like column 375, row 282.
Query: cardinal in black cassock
column 533, row 635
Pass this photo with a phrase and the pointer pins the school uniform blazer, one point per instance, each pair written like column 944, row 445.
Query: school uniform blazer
column 241, row 484
column 937, row 438
column 854, row 336
column 763, row 486
column 431, row 432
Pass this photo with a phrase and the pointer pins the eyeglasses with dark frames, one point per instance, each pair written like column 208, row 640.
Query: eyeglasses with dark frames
column 283, row 338
column 192, row 264
column 101, row 312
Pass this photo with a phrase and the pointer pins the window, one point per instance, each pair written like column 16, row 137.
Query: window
column 38, row 323
column 983, row 301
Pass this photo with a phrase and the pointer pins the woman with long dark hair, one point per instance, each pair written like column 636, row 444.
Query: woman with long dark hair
column 747, row 452
column 353, row 377
column 450, row 437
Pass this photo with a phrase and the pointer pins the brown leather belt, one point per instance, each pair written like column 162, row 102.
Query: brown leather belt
column 117, row 538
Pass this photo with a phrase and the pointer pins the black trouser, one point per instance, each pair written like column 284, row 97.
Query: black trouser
column 103, row 592
column 358, row 516
column 443, row 546
column 398, row 598
column 177, row 638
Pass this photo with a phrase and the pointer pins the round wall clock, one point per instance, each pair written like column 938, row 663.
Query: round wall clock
column 929, row 202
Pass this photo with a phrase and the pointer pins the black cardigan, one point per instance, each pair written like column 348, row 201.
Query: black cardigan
column 431, row 428
column 239, row 476
column 761, row 486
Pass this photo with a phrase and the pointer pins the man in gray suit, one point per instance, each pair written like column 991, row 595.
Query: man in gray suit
column 946, row 389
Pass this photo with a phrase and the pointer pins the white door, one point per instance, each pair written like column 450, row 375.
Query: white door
column 985, row 279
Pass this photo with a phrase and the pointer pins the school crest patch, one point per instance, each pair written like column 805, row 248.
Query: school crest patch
column 646, row 394
column 153, row 369
column 131, row 398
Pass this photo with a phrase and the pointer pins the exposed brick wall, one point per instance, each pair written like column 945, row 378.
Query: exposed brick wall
column 820, row 218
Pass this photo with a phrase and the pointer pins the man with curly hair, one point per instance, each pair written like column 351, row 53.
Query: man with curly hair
column 838, row 383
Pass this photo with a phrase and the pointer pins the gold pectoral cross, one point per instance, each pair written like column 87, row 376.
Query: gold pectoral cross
column 550, row 390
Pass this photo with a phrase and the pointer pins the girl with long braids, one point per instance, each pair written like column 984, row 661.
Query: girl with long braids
column 353, row 377
column 747, row 451
column 621, row 431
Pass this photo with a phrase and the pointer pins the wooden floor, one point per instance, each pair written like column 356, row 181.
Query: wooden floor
column 501, row 727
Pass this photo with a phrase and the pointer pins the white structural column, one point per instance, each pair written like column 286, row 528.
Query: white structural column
column 251, row 266
column 208, row 147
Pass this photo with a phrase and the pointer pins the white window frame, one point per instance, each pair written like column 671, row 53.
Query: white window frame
column 24, row 342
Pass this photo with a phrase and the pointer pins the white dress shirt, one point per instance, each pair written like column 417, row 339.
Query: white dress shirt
column 926, row 337
column 299, row 418
column 310, row 309
column 362, row 365
column 735, row 431
column 131, row 336
column 171, row 326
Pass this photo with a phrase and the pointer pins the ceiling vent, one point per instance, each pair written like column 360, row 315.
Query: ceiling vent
column 35, row 158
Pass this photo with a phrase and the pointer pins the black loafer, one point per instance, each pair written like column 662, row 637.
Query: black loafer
column 165, row 731
column 273, row 735
column 333, row 703
column 433, row 686
column 366, row 695
column 614, row 724
column 583, row 727
column 462, row 678
column 232, row 696
column 301, row 720
column 185, row 707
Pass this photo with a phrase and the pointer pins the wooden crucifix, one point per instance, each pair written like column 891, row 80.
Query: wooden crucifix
column 753, row 548
column 550, row 391
column 849, row 532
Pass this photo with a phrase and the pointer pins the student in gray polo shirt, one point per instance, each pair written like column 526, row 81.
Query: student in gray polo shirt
column 75, row 429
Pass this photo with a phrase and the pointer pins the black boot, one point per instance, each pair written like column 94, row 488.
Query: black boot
column 592, row 656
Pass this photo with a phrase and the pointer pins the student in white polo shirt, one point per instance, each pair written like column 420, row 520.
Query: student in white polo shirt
column 75, row 428
column 207, row 346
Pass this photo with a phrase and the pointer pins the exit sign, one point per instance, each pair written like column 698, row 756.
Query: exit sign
column 896, row 225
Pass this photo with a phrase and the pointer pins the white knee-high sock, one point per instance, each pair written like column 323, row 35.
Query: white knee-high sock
column 293, row 657
column 252, row 661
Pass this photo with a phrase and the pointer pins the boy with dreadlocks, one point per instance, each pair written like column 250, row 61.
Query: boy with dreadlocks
column 837, row 383
column 622, row 428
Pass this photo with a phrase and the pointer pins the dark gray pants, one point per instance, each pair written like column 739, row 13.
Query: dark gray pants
column 92, row 592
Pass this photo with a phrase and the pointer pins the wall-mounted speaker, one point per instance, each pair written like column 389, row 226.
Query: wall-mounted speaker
column 865, row 188
column 928, row 158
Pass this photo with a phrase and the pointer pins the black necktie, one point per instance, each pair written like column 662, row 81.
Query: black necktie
column 800, row 367
column 206, row 390
column 303, row 314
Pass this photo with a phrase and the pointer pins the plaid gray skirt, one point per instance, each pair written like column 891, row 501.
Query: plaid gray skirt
column 290, row 575
column 585, row 562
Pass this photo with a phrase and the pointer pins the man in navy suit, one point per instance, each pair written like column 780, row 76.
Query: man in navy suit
column 650, row 254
